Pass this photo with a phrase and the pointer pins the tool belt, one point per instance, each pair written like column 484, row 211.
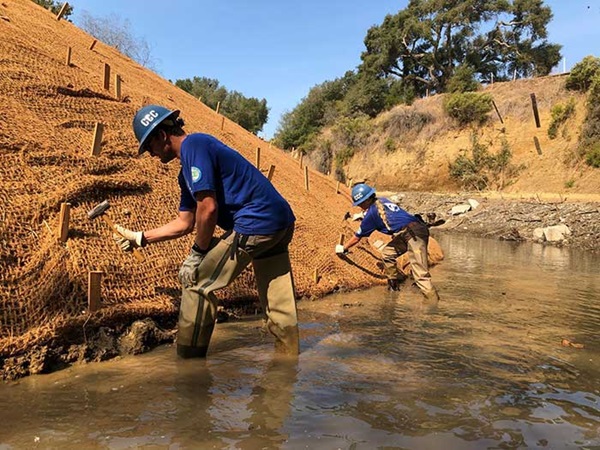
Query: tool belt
column 407, row 232
column 239, row 240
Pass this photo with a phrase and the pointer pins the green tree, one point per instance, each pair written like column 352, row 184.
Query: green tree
column 55, row 7
column 463, row 80
column 521, row 41
column 583, row 74
column 208, row 90
column 323, row 105
column 250, row 113
column 424, row 43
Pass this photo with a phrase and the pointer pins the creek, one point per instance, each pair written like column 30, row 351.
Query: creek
column 509, row 358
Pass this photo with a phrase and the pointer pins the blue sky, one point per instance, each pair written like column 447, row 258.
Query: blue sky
column 278, row 49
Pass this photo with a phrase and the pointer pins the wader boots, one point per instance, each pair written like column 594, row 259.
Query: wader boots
column 278, row 300
column 198, row 309
column 225, row 260
column 412, row 241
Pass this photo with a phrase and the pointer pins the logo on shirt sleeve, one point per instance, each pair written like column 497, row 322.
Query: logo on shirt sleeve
column 196, row 174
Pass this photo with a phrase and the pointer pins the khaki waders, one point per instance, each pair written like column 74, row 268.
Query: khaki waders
column 225, row 260
column 412, row 239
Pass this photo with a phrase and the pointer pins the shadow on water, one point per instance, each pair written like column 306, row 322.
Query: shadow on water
column 509, row 358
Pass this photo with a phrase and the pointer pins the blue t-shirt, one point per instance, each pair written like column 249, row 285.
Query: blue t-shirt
column 247, row 201
column 396, row 216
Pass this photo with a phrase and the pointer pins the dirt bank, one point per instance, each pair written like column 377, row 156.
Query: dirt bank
column 512, row 218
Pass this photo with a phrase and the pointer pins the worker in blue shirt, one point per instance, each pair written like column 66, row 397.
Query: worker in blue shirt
column 219, row 187
column 409, row 234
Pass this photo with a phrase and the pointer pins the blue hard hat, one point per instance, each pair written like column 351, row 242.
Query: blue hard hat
column 361, row 192
column 146, row 120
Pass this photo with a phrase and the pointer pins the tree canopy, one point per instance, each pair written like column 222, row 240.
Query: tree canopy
column 55, row 7
column 250, row 113
column 431, row 46
column 424, row 43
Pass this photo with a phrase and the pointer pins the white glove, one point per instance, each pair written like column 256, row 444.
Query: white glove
column 127, row 239
column 339, row 249
column 188, row 274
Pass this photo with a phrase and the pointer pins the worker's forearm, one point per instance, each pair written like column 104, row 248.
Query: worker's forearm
column 205, row 228
column 352, row 242
column 172, row 230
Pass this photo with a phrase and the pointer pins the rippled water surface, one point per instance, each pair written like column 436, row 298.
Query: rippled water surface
column 509, row 358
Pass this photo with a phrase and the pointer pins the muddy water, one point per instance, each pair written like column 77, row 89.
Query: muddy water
column 484, row 368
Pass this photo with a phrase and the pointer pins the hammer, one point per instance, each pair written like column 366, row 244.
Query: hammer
column 100, row 210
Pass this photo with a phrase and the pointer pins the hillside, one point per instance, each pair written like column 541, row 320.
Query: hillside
column 410, row 147
column 49, row 111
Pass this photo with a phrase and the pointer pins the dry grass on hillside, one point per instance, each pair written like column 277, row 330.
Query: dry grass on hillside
column 422, row 153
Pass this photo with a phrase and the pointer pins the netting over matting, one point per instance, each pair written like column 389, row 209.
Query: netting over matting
column 48, row 114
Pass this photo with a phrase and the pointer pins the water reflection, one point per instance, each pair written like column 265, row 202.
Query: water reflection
column 484, row 368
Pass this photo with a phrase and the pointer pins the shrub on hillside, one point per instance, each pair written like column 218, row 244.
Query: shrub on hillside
column 483, row 170
column 351, row 132
column 590, row 133
column 468, row 107
column 463, row 80
column 583, row 73
column 389, row 145
column 399, row 93
column 320, row 153
column 342, row 157
column 560, row 114
column 406, row 121
column 592, row 156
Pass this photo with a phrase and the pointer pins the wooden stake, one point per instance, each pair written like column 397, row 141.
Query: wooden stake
column 68, row 58
column 271, row 171
column 337, row 187
column 106, row 76
column 341, row 238
column 301, row 158
column 62, row 10
column 93, row 44
column 306, row 177
column 94, row 284
column 63, row 222
column 218, row 107
column 535, row 110
column 497, row 112
column 538, row 147
column 222, row 122
column 316, row 276
column 118, row 86
column 258, row 158
column 98, row 129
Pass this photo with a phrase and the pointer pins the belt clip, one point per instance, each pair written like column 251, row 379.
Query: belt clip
column 234, row 246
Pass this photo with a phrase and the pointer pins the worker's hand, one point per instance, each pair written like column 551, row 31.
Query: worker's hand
column 340, row 250
column 188, row 273
column 127, row 239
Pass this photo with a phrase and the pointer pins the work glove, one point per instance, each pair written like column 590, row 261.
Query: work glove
column 127, row 239
column 188, row 273
column 340, row 250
